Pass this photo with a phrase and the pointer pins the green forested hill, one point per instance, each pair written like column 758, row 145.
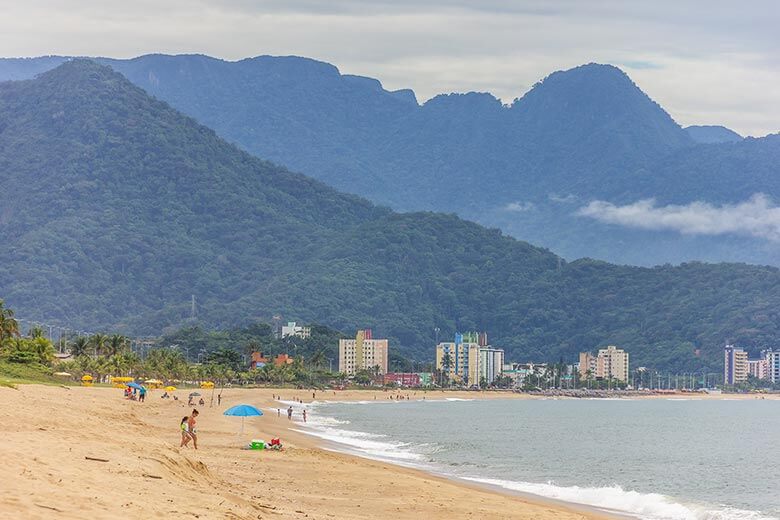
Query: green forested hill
column 115, row 209
column 527, row 167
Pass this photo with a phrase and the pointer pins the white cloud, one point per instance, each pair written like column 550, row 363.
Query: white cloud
column 563, row 199
column 756, row 217
column 519, row 206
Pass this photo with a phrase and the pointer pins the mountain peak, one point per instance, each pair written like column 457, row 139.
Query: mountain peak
column 595, row 100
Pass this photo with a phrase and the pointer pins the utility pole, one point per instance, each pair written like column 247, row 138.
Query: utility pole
column 192, row 310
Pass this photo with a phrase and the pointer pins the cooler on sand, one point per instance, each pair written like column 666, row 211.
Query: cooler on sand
column 257, row 444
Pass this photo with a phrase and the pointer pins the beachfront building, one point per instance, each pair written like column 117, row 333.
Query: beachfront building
column 408, row 379
column 293, row 329
column 758, row 368
column 258, row 360
column 452, row 357
column 771, row 362
column 469, row 359
column 587, row 365
column 522, row 373
column 363, row 353
column 491, row 364
column 735, row 365
column 610, row 363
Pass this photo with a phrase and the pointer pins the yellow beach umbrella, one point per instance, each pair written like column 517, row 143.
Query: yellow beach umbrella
column 170, row 388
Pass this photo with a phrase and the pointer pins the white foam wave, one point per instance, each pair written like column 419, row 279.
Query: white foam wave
column 648, row 506
column 322, row 420
column 365, row 444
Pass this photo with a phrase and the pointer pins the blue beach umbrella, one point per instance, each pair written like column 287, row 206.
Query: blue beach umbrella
column 243, row 410
column 134, row 385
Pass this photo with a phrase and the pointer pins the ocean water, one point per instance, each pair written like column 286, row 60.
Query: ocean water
column 652, row 459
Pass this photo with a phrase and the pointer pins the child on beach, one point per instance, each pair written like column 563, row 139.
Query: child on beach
column 185, row 434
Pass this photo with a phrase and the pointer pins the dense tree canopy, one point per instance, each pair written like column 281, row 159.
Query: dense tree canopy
column 116, row 209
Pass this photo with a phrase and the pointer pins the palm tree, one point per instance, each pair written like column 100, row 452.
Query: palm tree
column 446, row 363
column 37, row 332
column 9, row 327
column 79, row 346
column 98, row 342
column 318, row 359
column 116, row 344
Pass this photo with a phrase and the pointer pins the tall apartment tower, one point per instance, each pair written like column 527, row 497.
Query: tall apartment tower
column 363, row 353
column 612, row 362
column 771, row 360
column 735, row 365
column 587, row 364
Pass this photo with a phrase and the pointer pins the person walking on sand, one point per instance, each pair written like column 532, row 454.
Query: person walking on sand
column 185, row 434
column 219, row 399
column 142, row 394
column 304, row 415
column 192, row 429
column 289, row 413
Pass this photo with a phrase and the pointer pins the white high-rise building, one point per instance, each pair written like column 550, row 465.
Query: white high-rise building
column 772, row 360
column 293, row 329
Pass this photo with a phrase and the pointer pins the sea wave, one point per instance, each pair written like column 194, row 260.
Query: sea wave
column 364, row 444
column 648, row 506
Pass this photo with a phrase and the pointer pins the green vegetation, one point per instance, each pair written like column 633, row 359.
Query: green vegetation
column 582, row 134
column 117, row 209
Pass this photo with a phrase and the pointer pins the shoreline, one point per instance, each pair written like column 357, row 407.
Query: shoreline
column 87, row 452
column 76, row 452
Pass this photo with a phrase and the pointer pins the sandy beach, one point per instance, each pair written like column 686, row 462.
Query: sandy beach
column 48, row 432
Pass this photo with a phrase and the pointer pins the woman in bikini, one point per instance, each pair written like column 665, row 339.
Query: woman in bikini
column 191, row 428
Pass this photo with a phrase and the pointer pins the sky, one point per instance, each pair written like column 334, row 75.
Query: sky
column 704, row 61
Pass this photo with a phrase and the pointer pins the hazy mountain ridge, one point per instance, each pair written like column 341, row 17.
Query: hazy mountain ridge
column 580, row 135
column 118, row 209
column 712, row 134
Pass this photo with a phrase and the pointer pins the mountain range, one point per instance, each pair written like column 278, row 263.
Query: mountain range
column 585, row 163
column 116, row 208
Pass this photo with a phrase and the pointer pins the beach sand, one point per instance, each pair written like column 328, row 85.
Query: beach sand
column 48, row 432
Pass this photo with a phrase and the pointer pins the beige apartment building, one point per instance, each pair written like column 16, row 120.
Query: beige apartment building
column 587, row 364
column 735, row 369
column 363, row 353
column 610, row 362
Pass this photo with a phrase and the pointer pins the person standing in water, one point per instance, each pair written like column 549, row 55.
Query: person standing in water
column 289, row 413
column 192, row 429
column 304, row 415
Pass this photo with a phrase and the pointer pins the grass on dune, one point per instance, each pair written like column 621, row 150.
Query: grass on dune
column 12, row 374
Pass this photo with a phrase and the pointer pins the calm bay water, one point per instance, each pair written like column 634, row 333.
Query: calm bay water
column 654, row 459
